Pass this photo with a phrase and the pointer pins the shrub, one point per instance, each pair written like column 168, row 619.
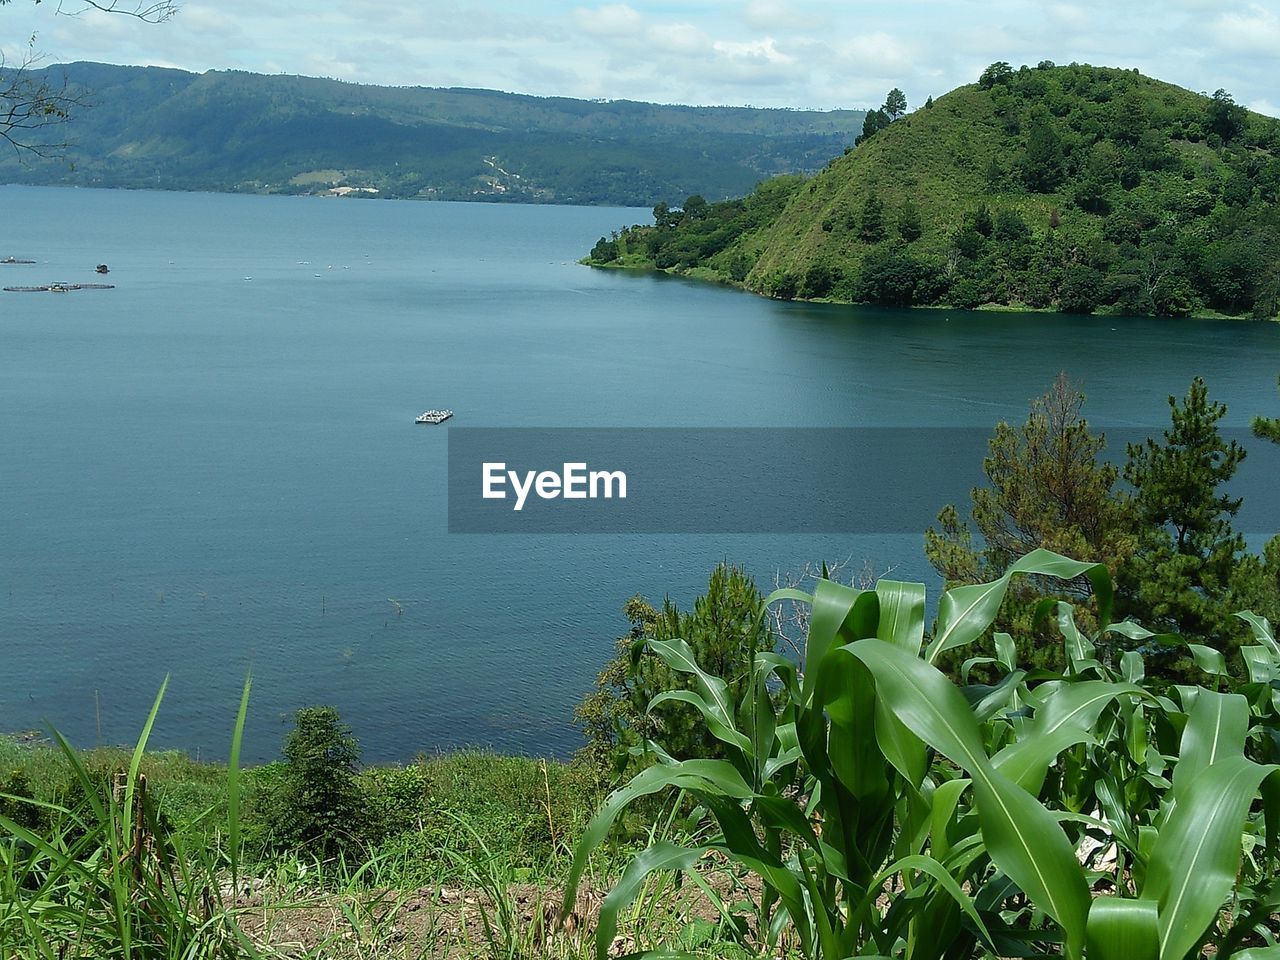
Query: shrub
column 605, row 251
column 819, row 279
column 16, row 796
column 965, row 294
column 724, row 631
column 319, row 804
column 895, row 278
column 783, row 285
column 1081, row 290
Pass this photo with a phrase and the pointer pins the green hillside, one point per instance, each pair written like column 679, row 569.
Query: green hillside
column 1076, row 188
column 170, row 129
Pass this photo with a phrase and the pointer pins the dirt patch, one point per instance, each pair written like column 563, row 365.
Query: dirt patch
column 452, row 923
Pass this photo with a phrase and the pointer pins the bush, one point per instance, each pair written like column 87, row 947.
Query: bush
column 605, row 251
column 783, row 285
column 1009, row 227
column 818, row 280
column 724, row 630
column 319, row 806
column 965, row 294
column 896, row 278
column 739, row 266
column 16, row 796
column 1081, row 290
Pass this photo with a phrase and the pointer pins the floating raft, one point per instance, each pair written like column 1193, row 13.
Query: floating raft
column 61, row 288
column 433, row 416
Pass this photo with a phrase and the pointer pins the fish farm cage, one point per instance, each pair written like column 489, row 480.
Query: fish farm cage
column 60, row 288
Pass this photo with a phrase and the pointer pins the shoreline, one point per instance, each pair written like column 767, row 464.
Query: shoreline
column 707, row 276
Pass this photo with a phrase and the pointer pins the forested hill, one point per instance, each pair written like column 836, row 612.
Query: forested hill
column 1075, row 188
column 170, row 129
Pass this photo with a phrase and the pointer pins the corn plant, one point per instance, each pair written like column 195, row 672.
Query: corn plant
column 888, row 811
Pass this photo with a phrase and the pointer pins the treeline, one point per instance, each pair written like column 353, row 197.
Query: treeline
column 691, row 234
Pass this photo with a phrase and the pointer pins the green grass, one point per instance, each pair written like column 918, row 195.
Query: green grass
column 472, row 853
column 526, row 810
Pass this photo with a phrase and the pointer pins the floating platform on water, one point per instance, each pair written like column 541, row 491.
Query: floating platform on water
column 433, row 416
column 61, row 288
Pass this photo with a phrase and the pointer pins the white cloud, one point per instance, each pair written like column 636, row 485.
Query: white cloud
column 879, row 52
column 614, row 20
column 807, row 53
column 677, row 38
column 1253, row 30
column 782, row 16
column 760, row 51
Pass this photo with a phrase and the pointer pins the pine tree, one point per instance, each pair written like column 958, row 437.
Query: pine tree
column 725, row 630
column 909, row 226
column 873, row 229
column 895, row 104
column 1042, row 164
column 1191, row 572
column 1048, row 486
column 872, row 123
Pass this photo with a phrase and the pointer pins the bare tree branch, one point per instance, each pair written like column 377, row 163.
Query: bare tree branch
column 790, row 620
column 31, row 101
column 150, row 11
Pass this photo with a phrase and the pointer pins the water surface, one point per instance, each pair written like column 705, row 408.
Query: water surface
column 202, row 473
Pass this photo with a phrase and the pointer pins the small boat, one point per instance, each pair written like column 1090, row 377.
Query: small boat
column 102, row 268
column 15, row 260
column 433, row 416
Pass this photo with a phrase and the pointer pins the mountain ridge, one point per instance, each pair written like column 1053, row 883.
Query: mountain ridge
column 235, row 130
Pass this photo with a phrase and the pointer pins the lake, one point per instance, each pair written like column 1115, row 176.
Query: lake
column 203, row 474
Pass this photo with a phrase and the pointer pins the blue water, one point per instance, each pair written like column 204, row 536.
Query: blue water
column 203, row 474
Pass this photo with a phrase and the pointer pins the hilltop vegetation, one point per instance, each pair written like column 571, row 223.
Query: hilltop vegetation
column 230, row 130
column 1075, row 188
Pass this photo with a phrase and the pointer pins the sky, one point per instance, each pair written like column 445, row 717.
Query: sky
column 775, row 53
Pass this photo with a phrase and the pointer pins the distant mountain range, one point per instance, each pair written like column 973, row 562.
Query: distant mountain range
column 235, row 131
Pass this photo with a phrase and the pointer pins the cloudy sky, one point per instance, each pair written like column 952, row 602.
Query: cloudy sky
column 798, row 53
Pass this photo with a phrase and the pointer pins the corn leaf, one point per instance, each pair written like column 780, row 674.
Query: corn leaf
column 1193, row 864
column 1123, row 930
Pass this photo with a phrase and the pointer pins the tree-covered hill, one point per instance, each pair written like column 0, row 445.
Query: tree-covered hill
column 170, row 129
column 1075, row 188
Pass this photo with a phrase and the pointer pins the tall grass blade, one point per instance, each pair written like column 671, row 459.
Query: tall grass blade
column 233, row 785
column 135, row 761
